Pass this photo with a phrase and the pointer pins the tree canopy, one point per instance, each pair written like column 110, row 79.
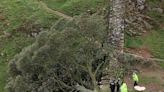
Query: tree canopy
column 72, row 53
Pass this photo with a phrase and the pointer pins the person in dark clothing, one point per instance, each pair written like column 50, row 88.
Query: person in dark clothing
column 98, row 78
column 112, row 86
column 118, row 85
column 135, row 83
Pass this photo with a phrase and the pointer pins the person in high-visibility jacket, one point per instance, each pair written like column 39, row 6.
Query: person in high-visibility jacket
column 123, row 87
column 135, row 78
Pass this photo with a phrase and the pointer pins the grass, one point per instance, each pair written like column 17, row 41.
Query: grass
column 154, row 3
column 9, row 47
column 133, row 42
column 75, row 7
column 55, row 4
column 161, row 63
column 147, row 80
column 153, row 41
column 156, row 15
column 3, row 75
column 18, row 12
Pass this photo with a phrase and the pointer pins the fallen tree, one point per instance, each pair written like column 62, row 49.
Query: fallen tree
column 64, row 59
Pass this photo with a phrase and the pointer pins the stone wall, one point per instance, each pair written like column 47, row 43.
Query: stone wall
column 116, row 24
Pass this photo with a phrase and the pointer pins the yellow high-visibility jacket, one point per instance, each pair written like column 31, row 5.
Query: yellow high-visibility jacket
column 124, row 88
column 135, row 77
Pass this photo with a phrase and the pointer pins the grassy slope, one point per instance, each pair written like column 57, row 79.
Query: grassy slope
column 16, row 13
column 153, row 41
column 75, row 7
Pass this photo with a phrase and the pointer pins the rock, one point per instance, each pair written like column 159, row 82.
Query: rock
column 147, row 25
column 157, row 10
column 139, row 34
column 144, row 31
column 140, row 4
column 149, row 8
column 34, row 34
column 141, row 7
column 6, row 34
column 2, row 17
column 104, row 9
column 2, row 54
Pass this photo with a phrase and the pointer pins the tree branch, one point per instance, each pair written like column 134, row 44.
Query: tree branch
column 99, row 66
column 93, row 78
column 82, row 88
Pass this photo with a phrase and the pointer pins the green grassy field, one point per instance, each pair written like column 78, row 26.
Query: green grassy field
column 18, row 13
column 75, row 7
column 147, row 80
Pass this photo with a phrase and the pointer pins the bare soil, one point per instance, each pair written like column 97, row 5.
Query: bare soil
column 154, row 85
column 140, row 51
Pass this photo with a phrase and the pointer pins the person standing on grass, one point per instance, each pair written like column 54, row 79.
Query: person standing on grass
column 135, row 78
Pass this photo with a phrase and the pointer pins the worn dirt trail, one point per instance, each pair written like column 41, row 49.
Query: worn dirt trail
column 144, row 52
column 55, row 12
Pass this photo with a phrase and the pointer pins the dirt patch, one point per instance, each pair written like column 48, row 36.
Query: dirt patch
column 2, row 17
column 147, row 32
column 140, row 51
column 150, row 87
column 154, row 73
column 154, row 84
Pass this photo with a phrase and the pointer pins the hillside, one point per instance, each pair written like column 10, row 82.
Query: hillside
column 22, row 20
